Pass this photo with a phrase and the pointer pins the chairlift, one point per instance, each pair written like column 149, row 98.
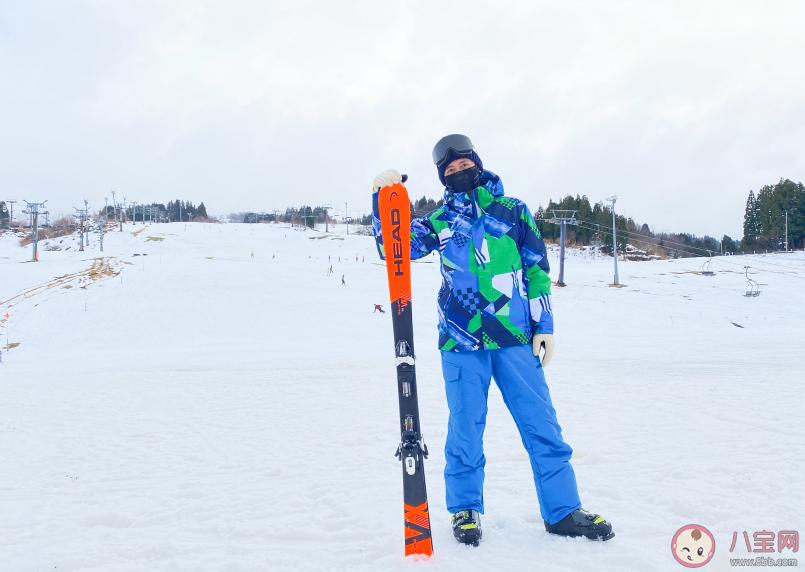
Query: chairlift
column 706, row 267
column 752, row 287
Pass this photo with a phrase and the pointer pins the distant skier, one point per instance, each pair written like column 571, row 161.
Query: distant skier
column 343, row 281
column 495, row 319
column 378, row 308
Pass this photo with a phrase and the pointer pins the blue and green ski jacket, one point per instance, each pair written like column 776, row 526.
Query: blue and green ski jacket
column 496, row 291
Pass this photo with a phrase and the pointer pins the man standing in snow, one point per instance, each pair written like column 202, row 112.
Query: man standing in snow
column 495, row 320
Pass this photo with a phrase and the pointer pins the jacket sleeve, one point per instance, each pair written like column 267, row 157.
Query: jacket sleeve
column 535, row 271
column 423, row 238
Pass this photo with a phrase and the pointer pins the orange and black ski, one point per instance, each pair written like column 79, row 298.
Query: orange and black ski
column 395, row 221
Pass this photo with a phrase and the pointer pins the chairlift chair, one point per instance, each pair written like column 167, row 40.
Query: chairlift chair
column 706, row 268
column 752, row 286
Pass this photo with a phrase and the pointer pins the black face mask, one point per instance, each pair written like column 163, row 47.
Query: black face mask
column 464, row 181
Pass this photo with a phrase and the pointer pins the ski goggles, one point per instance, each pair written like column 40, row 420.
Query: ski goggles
column 451, row 144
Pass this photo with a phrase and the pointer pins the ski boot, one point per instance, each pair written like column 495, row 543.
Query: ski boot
column 467, row 527
column 582, row 523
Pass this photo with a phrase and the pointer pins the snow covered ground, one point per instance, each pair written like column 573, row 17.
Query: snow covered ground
column 210, row 398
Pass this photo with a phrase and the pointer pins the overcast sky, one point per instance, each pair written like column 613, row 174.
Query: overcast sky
column 679, row 108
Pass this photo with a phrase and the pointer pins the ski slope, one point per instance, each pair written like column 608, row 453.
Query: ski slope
column 209, row 398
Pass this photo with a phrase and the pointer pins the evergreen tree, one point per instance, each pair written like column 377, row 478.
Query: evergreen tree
column 750, row 221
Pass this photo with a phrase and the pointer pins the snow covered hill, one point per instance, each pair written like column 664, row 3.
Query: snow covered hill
column 211, row 397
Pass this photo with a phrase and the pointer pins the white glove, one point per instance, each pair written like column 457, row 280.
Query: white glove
column 385, row 179
column 543, row 341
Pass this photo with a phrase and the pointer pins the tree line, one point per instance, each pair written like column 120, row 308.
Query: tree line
column 304, row 215
column 594, row 228
column 185, row 211
column 174, row 211
column 764, row 225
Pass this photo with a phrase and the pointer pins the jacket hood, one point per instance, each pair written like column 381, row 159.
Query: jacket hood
column 492, row 183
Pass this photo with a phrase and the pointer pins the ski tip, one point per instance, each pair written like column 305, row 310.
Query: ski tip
column 395, row 222
column 388, row 193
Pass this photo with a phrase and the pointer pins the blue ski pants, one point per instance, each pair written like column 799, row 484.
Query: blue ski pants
column 519, row 375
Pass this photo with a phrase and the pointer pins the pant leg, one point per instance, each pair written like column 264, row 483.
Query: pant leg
column 466, row 378
column 522, row 382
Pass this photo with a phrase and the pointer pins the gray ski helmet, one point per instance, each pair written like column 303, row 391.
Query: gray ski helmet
column 452, row 147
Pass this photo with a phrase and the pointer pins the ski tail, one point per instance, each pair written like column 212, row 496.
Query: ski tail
column 417, row 530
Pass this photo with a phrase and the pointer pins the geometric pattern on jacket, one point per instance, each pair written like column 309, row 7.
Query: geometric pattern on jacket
column 496, row 291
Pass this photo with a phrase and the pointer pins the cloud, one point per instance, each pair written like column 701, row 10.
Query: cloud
column 678, row 107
